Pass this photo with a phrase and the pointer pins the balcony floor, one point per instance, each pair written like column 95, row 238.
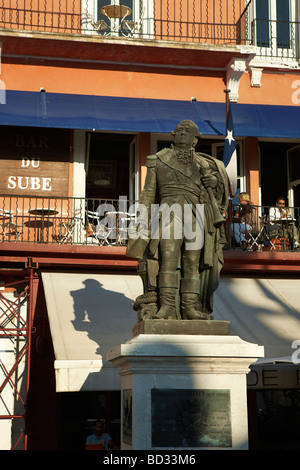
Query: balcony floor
column 46, row 256
column 160, row 53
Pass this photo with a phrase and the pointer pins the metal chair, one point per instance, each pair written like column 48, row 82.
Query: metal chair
column 131, row 28
column 124, row 219
column 89, row 25
column 256, row 236
column 97, row 232
column 272, row 236
column 65, row 231
column 69, row 228
column 9, row 230
column 101, row 27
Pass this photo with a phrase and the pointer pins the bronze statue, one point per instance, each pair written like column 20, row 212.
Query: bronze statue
column 180, row 273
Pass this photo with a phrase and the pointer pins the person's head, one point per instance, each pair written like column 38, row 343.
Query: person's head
column 99, row 427
column 186, row 134
column 280, row 201
column 244, row 198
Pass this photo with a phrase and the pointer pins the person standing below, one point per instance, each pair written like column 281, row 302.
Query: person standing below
column 99, row 440
column 182, row 178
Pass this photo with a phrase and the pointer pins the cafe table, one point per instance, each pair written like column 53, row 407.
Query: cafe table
column 42, row 214
column 116, row 14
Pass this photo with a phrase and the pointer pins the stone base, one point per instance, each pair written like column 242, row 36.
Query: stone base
column 184, row 391
column 181, row 327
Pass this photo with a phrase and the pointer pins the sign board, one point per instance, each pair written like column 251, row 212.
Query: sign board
column 34, row 161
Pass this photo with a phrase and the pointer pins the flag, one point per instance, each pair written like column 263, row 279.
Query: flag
column 229, row 156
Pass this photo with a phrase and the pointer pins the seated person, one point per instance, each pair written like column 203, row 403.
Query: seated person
column 243, row 220
column 276, row 227
column 99, row 440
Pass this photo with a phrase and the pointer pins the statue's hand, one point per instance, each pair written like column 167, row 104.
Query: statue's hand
column 142, row 225
column 139, row 229
column 209, row 181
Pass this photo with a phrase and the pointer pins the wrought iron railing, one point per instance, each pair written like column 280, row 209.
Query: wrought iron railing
column 96, row 222
column 65, row 220
column 208, row 21
column 262, row 228
column 276, row 39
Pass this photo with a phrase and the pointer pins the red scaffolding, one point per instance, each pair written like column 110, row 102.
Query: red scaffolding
column 17, row 327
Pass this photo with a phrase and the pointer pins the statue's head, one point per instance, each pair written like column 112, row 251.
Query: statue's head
column 186, row 129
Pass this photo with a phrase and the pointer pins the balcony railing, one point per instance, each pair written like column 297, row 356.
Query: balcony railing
column 208, row 21
column 276, row 39
column 258, row 229
column 94, row 222
column 65, row 220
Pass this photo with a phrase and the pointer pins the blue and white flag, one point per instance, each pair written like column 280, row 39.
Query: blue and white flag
column 229, row 156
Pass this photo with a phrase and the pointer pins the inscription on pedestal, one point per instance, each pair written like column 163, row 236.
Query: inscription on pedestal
column 191, row 418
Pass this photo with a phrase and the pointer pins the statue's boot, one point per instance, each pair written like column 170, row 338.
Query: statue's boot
column 167, row 309
column 190, row 289
column 168, row 284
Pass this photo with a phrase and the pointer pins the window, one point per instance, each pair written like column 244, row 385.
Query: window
column 131, row 18
column 262, row 23
column 283, row 27
column 273, row 27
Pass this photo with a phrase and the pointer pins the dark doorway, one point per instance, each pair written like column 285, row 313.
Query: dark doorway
column 108, row 165
column 274, row 178
column 274, row 419
column 78, row 411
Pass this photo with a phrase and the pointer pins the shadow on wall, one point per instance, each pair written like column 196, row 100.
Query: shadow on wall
column 107, row 316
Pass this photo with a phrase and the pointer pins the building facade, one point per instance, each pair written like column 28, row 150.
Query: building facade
column 89, row 89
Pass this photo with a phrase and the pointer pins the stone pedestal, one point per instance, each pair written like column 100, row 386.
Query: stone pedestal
column 184, row 391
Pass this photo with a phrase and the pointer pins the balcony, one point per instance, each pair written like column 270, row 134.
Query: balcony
column 99, row 222
column 64, row 221
column 210, row 21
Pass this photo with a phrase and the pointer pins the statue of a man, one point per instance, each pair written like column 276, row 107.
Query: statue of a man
column 181, row 273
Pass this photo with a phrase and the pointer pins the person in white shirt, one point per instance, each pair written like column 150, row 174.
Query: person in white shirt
column 280, row 215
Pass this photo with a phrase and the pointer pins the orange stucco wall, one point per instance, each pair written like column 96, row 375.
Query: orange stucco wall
column 152, row 83
column 199, row 21
column 252, row 168
column 144, row 151
column 277, row 88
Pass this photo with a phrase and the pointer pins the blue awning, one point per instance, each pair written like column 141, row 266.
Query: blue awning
column 108, row 113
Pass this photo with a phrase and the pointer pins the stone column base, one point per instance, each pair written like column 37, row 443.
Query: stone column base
column 184, row 391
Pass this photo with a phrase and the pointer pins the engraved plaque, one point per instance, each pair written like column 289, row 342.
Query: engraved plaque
column 127, row 417
column 191, row 418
